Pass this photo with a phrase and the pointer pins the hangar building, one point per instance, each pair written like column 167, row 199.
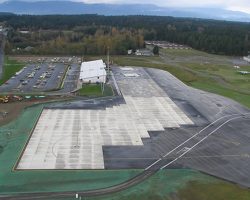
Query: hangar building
column 93, row 72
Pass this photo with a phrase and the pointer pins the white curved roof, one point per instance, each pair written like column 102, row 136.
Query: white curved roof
column 92, row 69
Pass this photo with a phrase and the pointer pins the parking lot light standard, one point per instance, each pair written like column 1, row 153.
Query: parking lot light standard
column 108, row 60
column 102, row 84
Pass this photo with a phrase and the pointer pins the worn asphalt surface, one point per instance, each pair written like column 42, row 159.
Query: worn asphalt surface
column 224, row 154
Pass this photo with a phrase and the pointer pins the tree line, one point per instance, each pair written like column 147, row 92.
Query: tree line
column 91, row 34
column 78, row 41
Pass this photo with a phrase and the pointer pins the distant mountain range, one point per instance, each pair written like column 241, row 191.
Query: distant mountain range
column 70, row 7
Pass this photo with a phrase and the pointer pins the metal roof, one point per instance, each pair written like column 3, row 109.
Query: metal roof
column 91, row 69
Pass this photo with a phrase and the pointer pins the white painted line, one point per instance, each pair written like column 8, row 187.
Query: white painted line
column 153, row 164
column 193, row 137
column 200, row 141
column 183, row 150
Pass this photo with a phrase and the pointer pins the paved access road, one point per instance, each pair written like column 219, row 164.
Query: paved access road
column 71, row 79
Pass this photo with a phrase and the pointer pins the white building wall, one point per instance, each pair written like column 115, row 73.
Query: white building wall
column 247, row 59
column 99, row 79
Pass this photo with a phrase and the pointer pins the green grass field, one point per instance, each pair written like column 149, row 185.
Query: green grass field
column 184, row 52
column 179, row 184
column 94, row 90
column 9, row 69
column 161, row 186
column 219, row 190
column 182, row 185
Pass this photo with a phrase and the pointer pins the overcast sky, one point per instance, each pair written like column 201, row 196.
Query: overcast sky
column 237, row 5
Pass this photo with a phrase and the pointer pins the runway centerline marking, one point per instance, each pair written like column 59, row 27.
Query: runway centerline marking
column 200, row 141
column 193, row 137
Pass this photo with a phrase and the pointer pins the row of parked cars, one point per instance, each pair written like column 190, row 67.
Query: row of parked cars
column 30, row 75
column 41, row 82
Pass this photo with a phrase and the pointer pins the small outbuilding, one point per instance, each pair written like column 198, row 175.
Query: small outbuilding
column 93, row 72
column 244, row 72
column 247, row 58
column 130, row 51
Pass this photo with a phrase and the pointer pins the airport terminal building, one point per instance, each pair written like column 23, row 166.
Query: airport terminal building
column 93, row 72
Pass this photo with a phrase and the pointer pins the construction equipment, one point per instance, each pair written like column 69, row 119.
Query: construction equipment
column 18, row 98
column 4, row 99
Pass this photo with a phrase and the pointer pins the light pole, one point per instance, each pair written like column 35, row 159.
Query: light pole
column 108, row 60
column 103, row 82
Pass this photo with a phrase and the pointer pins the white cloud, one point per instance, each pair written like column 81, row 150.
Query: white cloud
column 242, row 9
column 238, row 5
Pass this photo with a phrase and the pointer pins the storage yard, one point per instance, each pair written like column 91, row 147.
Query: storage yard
column 167, row 45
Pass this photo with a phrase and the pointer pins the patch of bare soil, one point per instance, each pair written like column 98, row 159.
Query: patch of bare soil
column 10, row 111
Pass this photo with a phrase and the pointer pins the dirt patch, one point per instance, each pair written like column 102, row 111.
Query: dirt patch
column 10, row 111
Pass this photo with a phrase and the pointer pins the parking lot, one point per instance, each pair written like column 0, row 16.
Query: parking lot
column 36, row 78
column 48, row 59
